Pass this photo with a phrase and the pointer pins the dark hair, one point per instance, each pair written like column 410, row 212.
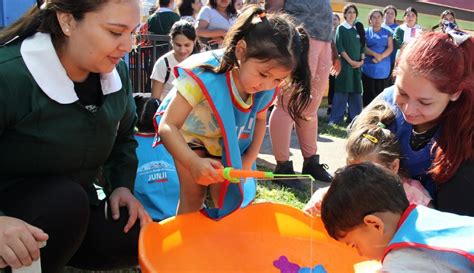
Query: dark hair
column 392, row 7
column 185, row 7
column 368, row 135
column 146, row 109
column 357, row 191
column 336, row 15
column 371, row 13
column 45, row 20
column 450, row 68
column 276, row 37
column 187, row 29
column 410, row 9
column 446, row 12
column 347, row 7
column 164, row 3
column 361, row 31
column 230, row 8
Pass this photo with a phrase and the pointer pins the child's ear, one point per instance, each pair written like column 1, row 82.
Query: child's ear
column 240, row 49
column 395, row 165
column 375, row 223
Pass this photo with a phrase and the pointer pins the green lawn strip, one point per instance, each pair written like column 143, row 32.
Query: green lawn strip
column 424, row 20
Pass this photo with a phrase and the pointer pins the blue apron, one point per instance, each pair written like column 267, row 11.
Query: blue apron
column 417, row 163
column 237, row 125
column 427, row 228
column 156, row 184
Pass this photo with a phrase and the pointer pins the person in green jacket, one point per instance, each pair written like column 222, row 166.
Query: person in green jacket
column 67, row 120
column 348, row 85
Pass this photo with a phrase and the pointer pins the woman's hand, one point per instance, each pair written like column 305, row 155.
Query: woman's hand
column 204, row 171
column 313, row 206
column 122, row 197
column 19, row 242
column 356, row 64
column 335, row 68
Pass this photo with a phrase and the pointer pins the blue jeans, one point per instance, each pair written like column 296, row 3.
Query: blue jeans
column 339, row 102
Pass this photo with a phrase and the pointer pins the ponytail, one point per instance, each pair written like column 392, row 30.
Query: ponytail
column 43, row 18
column 301, row 77
column 245, row 22
column 26, row 26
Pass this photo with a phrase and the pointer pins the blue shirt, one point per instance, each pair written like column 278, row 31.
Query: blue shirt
column 392, row 27
column 377, row 42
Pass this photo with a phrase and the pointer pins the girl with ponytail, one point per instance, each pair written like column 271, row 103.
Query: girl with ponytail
column 217, row 117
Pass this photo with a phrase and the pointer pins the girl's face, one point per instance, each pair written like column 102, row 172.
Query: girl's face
column 420, row 102
column 390, row 16
column 196, row 5
column 223, row 4
column 238, row 5
column 99, row 41
column 350, row 15
column 335, row 21
column 182, row 46
column 376, row 20
column 449, row 17
column 256, row 75
column 410, row 19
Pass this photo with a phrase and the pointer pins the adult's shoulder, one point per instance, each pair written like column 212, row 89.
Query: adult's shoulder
column 9, row 53
column 455, row 195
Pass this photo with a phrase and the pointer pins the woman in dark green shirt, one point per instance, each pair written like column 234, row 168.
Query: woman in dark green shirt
column 66, row 120
column 348, row 85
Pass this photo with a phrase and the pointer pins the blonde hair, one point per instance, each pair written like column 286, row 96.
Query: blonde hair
column 369, row 135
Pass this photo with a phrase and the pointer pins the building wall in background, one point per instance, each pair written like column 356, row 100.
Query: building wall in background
column 11, row 10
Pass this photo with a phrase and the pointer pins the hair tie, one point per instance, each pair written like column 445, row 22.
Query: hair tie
column 370, row 138
column 41, row 4
column 381, row 125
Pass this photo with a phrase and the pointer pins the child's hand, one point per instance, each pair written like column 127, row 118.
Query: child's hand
column 313, row 207
column 204, row 171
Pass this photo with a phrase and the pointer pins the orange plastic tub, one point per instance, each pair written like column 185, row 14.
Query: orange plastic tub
column 264, row 237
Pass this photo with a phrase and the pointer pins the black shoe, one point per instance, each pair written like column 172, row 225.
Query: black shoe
column 287, row 168
column 328, row 111
column 316, row 170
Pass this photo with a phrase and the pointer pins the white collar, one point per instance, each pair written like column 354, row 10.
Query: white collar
column 404, row 26
column 347, row 25
column 164, row 9
column 43, row 63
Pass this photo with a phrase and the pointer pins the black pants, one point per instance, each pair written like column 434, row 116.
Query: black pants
column 79, row 234
column 372, row 87
column 332, row 83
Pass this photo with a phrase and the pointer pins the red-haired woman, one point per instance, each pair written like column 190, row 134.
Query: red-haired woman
column 433, row 101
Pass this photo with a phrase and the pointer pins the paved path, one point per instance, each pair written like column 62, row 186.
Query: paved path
column 331, row 150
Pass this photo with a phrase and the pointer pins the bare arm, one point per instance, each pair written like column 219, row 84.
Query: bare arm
column 203, row 31
column 250, row 155
column 157, row 89
column 203, row 170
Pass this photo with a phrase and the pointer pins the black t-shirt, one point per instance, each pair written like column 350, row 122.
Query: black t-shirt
column 419, row 140
column 89, row 92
